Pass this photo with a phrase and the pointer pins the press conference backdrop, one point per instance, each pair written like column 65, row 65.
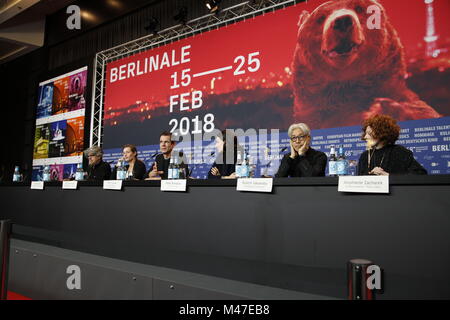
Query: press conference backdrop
column 292, row 65
column 60, row 118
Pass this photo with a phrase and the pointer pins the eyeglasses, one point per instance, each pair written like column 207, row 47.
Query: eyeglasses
column 299, row 138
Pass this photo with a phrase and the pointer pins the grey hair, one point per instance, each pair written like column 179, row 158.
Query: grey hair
column 95, row 150
column 302, row 126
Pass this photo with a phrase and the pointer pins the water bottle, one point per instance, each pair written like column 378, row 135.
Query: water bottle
column 242, row 168
column 17, row 177
column 46, row 174
column 121, row 173
column 352, row 167
column 170, row 169
column 342, row 163
column 181, row 171
column 238, row 164
column 332, row 163
column 79, row 174
column 251, row 167
column 175, row 168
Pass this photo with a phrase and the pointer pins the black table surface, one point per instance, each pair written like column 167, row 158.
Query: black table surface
column 310, row 181
column 299, row 237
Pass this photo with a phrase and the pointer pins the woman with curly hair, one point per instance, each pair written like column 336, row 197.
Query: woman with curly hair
column 383, row 157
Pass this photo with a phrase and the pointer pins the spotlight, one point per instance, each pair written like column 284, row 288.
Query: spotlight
column 181, row 16
column 152, row 26
column 213, row 5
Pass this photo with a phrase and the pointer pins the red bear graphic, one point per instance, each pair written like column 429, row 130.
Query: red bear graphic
column 346, row 70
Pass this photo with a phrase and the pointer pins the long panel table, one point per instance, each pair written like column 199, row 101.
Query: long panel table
column 299, row 237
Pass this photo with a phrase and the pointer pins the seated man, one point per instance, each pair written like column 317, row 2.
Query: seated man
column 97, row 169
column 159, row 169
column 303, row 161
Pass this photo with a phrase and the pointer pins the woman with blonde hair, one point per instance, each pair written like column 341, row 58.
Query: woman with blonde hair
column 135, row 168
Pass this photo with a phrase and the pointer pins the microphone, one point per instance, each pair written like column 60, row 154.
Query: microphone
column 189, row 171
column 153, row 157
column 186, row 165
column 270, row 162
column 182, row 158
column 150, row 163
column 112, row 162
column 193, row 163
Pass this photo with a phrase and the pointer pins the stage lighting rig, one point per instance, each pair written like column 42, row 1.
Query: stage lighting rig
column 213, row 5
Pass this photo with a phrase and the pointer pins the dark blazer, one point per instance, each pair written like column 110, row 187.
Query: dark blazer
column 311, row 164
column 162, row 164
column 100, row 171
column 224, row 170
column 139, row 170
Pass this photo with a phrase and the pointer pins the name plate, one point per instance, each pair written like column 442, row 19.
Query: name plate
column 37, row 185
column 173, row 185
column 365, row 184
column 255, row 184
column 70, row 185
column 112, row 184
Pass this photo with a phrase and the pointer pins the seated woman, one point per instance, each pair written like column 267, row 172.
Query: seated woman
column 135, row 168
column 383, row 156
column 302, row 161
column 98, row 169
column 224, row 166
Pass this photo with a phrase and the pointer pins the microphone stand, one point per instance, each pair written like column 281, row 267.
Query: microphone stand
column 265, row 175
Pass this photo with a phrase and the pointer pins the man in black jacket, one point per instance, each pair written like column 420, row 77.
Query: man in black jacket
column 159, row 169
column 98, row 169
column 303, row 161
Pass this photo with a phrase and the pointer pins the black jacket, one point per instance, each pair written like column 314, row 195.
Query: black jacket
column 100, row 171
column 226, row 166
column 162, row 164
column 139, row 170
column 224, row 170
column 311, row 164
column 394, row 159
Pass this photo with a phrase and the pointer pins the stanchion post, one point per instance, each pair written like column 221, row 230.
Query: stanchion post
column 357, row 280
column 5, row 234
